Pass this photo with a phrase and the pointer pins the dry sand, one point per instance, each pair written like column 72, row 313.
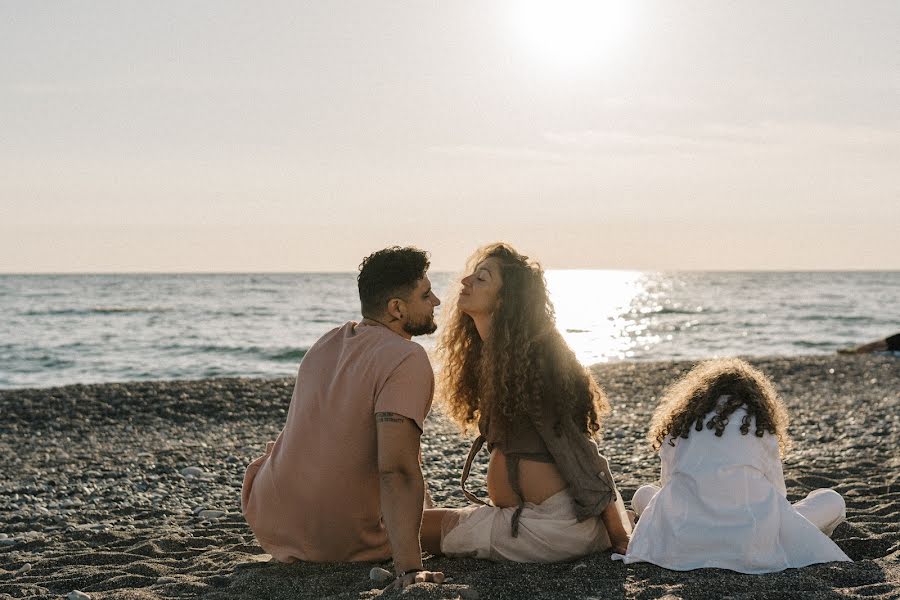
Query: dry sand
column 93, row 498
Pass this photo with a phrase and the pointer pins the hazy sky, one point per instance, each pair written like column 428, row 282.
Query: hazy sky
column 287, row 136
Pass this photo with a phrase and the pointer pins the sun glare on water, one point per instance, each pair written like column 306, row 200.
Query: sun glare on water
column 572, row 33
column 593, row 312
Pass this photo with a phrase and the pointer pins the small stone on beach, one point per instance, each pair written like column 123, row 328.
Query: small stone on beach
column 380, row 575
column 77, row 595
column 190, row 472
column 210, row 514
column 24, row 569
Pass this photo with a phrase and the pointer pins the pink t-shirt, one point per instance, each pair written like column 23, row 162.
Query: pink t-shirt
column 315, row 494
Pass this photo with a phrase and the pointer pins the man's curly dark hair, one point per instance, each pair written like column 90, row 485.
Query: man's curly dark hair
column 389, row 273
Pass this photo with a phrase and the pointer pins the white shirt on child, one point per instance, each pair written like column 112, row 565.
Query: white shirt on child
column 723, row 504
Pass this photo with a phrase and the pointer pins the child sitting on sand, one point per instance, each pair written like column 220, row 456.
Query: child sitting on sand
column 720, row 432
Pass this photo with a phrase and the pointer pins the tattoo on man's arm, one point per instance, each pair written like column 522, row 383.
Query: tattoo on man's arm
column 389, row 417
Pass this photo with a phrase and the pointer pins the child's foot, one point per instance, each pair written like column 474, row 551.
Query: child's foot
column 632, row 517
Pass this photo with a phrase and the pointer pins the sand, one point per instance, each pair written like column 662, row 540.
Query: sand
column 133, row 491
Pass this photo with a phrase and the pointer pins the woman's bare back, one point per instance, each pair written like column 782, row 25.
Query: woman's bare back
column 539, row 481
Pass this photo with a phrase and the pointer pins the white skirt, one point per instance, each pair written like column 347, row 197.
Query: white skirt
column 548, row 532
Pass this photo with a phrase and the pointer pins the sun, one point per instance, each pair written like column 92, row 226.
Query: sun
column 572, row 33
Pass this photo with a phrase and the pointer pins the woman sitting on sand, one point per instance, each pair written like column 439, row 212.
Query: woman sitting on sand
column 506, row 367
column 720, row 432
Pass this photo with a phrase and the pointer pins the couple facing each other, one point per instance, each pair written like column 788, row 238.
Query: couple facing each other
column 343, row 480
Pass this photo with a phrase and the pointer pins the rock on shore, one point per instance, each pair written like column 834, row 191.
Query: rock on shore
column 133, row 491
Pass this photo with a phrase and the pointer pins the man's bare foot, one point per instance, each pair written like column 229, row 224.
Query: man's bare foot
column 416, row 577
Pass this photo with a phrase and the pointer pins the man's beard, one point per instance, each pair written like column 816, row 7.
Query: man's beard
column 424, row 327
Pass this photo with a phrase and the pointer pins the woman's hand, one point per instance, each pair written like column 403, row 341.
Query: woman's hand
column 620, row 545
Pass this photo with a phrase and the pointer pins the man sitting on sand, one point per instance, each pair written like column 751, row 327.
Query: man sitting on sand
column 343, row 481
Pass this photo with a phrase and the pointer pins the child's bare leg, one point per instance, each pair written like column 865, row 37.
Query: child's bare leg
column 642, row 498
column 824, row 508
column 632, row 518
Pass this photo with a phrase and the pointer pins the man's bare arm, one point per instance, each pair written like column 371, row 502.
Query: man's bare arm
column 402, row 487
column 429, row 501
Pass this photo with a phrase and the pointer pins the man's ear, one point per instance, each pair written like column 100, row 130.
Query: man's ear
column 396, row 308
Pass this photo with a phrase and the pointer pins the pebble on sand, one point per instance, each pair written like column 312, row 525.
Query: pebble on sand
column 77, row 595
column 380, row 575
column 191, row 472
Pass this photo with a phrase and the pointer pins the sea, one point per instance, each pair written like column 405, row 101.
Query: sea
column 65, row 329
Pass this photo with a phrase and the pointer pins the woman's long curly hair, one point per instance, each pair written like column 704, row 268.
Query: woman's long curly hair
column 687, row 402
column 524, row 361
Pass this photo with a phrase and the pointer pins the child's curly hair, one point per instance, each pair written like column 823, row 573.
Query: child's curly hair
column 691, row 398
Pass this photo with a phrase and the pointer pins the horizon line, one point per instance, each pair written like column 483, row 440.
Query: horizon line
column 442, row 271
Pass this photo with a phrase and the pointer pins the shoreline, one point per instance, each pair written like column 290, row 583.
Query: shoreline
column 594, row 367
column 94, row 495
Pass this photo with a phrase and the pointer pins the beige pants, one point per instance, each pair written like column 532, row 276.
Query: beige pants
column 824, row 508
column 548, row 532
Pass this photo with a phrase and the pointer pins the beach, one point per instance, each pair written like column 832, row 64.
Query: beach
column 132, row 490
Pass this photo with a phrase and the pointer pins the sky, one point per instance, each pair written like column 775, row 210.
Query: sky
column 300, row 136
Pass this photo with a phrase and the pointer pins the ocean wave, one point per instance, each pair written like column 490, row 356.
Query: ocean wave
column 110, row 310
column 807, row 344
column 44, row 361
column 96, row 310
column 685, row 311
column 277, row 353
column 292, row 354
column 252, row 311
column 835, row 318
column 668, row 310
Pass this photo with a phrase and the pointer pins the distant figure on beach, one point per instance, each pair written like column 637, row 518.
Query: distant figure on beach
column 888, row 344
column 720, row 432
column 506, row 368
column 343, row 481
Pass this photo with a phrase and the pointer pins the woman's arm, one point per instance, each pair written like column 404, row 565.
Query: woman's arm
column 615, row 527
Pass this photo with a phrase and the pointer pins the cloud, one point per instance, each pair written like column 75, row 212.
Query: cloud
column 760, row 137
column 770, row 138
column 500, row 153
